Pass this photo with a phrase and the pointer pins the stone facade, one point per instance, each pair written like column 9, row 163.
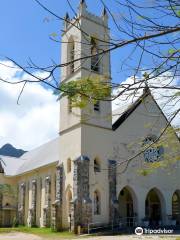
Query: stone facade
column 32, row 210
column 21, row 205
column 56, row 223
column 1, row 211
column 47, row 207
column 1, row 195
column 81, row 210
column 113, row 202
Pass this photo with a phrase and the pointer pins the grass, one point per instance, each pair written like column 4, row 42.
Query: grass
column 46, row 233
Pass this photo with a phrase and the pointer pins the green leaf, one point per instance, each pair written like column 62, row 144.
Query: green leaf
column 177, row 94
column 171, row 51
column 81, row 92
column 178, row 13
column 146, row 76
column 53, row 34
column 140, row 17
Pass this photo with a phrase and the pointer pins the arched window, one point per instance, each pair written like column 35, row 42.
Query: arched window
column 97, row 203
column 96, row 165
column 94, row 56
column 69, row 105
column 153, row 153
column 69, row 165
column 71, row 55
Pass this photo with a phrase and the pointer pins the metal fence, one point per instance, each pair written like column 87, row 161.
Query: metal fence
column 122, row 223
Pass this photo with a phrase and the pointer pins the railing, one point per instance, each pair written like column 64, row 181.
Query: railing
column 128, row 222
column 97, row 226
column 122, row 223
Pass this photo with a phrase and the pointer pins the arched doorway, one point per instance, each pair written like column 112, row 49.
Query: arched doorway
column 153, row 208
column 127, row 207
column 176, row 207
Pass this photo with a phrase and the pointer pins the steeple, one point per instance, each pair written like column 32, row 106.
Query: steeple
column 66, row 20
column 104, row 12
column 67, row 16
column 146, row 89
column 104, row 15
column 82, row 7
column 82, row 2
column 96, row 114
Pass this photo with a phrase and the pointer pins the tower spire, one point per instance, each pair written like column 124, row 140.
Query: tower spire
column 67, row 16
column 82, row 2
column 104, row 14
column 66, row 20
column 82, row 7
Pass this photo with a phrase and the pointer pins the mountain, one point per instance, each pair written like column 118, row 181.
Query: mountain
column 9, row 150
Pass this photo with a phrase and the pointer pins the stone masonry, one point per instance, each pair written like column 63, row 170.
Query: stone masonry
column 81, row 206
column 113, row 202
column 32, row 210
column 47, row 208
column 56, row 222
column 21, row 207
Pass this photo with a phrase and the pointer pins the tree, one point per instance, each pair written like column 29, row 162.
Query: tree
column 150, row 33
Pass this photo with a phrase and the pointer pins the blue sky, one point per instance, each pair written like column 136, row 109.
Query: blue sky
column 25, row 29
column 25, row 34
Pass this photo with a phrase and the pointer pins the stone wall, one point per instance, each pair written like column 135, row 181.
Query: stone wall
column 21, row 203
column 56, row 221
column 81, row 206
column 1, row 211
column 32, row 210
column 113, row 202
column 47, row 207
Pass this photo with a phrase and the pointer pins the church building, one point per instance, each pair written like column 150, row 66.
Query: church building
column 94, row 173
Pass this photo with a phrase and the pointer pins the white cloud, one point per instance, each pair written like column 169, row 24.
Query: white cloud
column 33, row 122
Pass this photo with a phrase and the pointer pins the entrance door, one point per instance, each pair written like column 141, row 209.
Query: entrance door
column 126, row 207
column 130, row 214
column 155, row 213
column 176, row 207
column 7, row 218
column 129, row 208
column 153, row 208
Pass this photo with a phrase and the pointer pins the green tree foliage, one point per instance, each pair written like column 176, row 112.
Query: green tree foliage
column 169, row 141
column 83, row 91
column 8, row 190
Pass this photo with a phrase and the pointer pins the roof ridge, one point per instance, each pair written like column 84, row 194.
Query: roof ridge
column 130, row 109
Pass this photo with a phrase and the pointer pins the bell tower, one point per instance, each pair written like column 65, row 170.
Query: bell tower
column 85, row 35
column 84, row 39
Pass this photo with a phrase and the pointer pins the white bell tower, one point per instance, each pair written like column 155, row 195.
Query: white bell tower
column 84, row 133
column 85, row 35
